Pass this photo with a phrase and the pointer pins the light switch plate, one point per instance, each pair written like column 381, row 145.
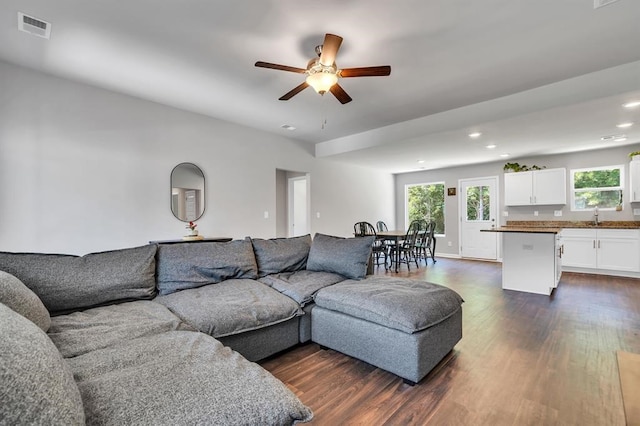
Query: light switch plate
column 535, row 212
column 557, row 213
column 506, row 213
column 636, row 212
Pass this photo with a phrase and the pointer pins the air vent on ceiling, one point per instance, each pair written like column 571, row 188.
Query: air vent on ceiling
column 34, row 26
column 600, row 3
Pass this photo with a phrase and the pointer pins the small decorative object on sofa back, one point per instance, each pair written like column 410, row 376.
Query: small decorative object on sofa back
column 192, row 228
column 193, row 232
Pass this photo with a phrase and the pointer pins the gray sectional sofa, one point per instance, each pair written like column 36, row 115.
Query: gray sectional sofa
column 166, row 334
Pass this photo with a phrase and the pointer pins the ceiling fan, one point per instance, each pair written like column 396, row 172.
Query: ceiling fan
column 323, row 73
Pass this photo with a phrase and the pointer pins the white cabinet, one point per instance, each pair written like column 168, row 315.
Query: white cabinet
column 610, row 249
column 530, row 262
column 518, row 188
column 537, row 187
column 634, row 180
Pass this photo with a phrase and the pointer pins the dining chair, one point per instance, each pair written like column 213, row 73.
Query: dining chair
column 379, row 249
column 382, row 227
column 405, row 251
column 425, row 245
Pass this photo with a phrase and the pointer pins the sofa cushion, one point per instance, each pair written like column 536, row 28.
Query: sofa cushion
column 21, row 299
column 281, row 254
column 81, row 332
column 65, row 282
column 181, row 377
column 231, row 307
column 404, row 304
column 191, row 265
column 37, row 385
column 344, row 256
column 301, row 286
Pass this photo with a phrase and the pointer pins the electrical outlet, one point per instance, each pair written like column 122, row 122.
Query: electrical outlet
column 449, row 243
column 506, row 213
column 266, row 214
column 636, row 212
column 535, row 212
column 318, row 215
column 557, row 213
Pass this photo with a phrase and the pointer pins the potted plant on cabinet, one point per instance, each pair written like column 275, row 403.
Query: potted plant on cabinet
column 635, row 156
column 515, row 167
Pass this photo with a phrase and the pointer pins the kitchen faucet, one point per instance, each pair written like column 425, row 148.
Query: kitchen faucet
column 595, row 216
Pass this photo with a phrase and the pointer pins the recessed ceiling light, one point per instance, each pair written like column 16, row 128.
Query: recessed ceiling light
column 504, row 155
column 631, row 104
column 492, row 146
column 287, row 127
column 617, row 138
column 475, row 135
column 420, row 161
column 624, row 125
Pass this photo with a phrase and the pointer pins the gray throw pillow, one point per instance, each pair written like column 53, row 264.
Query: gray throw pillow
column 191, row 265
column 37, row 384
column 22, row 300
column 281, row 254
column 345, row 256
column 66, row 283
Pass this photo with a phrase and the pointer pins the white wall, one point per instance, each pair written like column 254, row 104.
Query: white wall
column 605, row 157
column 84, row 169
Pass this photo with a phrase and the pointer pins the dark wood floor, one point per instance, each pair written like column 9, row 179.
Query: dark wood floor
column 524, row 359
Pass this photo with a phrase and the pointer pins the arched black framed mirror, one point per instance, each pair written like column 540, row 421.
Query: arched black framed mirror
column 187, row 192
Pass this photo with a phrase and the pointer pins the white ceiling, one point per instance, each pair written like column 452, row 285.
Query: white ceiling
column 535, row 77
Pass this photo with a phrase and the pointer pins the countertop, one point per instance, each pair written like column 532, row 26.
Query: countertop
column 525, row 229
column 620, row 224
column 555, row 226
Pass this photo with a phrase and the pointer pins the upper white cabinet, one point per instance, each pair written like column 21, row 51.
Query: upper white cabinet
column 634, row 188
column 547, row 186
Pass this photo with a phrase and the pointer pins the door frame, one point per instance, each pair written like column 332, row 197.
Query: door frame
column 461, row 202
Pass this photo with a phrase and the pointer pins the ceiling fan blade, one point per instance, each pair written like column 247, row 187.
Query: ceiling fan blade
column 261, row 64
column 330, row 48
column 293, row 92
column 340, row 94
column 380, row 71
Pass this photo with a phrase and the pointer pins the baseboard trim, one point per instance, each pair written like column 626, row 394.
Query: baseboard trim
column 457, row 256
column 448, row 255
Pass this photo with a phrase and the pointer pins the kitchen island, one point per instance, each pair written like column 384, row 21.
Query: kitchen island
column 531, row 258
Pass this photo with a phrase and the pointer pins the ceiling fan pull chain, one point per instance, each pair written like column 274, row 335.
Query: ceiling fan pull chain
column 324, row 113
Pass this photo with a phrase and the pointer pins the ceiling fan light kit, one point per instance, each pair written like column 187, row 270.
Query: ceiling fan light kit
column 322, row 73
column 321, row 78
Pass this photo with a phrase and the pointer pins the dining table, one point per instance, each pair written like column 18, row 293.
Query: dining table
column 396, row 236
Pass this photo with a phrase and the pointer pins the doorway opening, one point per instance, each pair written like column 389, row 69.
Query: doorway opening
column 293, row 204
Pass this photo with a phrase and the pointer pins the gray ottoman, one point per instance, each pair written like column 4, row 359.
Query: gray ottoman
column 400, row 325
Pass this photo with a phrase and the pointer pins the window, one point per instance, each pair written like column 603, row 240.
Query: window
column 596, row 187
column 478, row 203
column 426, row 201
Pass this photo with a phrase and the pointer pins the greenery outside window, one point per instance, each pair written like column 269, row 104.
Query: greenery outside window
column 426, row 201
column 478, row 203
column 597, row 187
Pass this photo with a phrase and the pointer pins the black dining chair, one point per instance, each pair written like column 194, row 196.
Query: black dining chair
column 405, row 251
column 425, row 245
column 382, row 227
column 379, row 249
